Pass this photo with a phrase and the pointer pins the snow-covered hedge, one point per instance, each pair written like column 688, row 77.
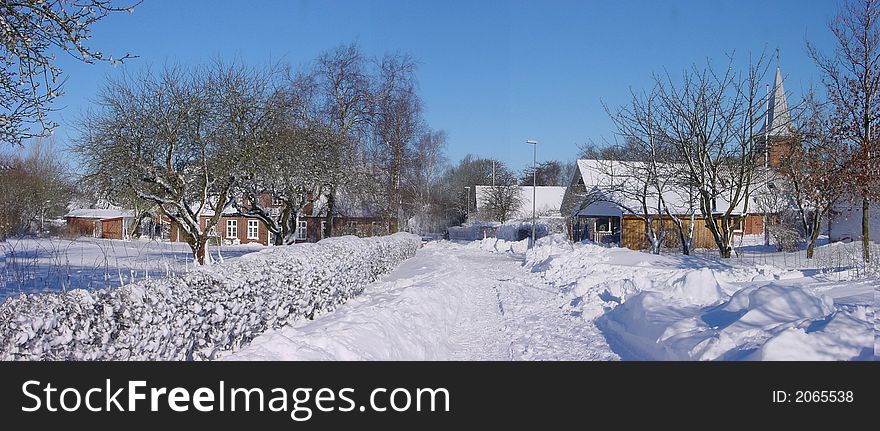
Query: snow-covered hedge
column 203, row 312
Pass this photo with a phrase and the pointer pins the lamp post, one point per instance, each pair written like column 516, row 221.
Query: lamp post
column 534, row 144
column 467, row 208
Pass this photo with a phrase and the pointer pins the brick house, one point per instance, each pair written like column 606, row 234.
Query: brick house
column 235, row 228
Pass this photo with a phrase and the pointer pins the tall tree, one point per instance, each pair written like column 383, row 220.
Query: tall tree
column 502, row 200
column 851, row 75
column 423, row 182
column 173, row 138
column 345, row 100
column 549, row 173
column 397, row 125
column 31, row 80
column 711, row 119
column 815, row 172
column 34, row 186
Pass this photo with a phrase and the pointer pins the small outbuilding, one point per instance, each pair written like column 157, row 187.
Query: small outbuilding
column 99, row 223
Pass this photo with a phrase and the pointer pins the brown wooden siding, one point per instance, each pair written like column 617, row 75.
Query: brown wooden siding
column 83, row 226
column 633, row 232
column 112, row 228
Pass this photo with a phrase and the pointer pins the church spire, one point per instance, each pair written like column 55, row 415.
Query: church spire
column 778, row 115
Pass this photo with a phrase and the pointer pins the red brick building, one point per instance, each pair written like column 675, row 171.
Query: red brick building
column 235, row 228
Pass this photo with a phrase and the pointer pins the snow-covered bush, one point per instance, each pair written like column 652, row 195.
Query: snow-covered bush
column 204, row 312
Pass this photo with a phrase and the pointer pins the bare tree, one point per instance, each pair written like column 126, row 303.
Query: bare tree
column 644, row 177
column 30, row 79
column 34, row 187
column 397, row 125
column 173, row 138
column 852, row 78
column 815, row 171
column 547, row 173
column 345, row 101
column 423, row 182
column 711, row 121
column 502, row 200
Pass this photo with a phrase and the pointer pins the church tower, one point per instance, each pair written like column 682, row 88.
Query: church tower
column 776, row 135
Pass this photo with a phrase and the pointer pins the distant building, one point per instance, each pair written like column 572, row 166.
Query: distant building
column 99, row 223
column 845, row 222
column 598, row 212
column 548, row 200
column 236, row 228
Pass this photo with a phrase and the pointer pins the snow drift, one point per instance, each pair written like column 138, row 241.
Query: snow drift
column 688, row 308
column 202, row 313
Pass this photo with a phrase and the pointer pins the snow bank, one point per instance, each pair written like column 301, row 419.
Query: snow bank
column 687, row 308
column 202, row 313
column 496, row 245
column 769, row 322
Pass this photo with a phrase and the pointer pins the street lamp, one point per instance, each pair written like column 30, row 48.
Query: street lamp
column 467, row 208
column 534, row 144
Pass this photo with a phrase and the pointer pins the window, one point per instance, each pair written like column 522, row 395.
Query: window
column 738, row 224
column 603, row 224
column 231, row 228
column 301, row 227
column 253, row 229
column 323, row 227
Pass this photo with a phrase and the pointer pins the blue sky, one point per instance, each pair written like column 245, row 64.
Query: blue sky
column 492, row 73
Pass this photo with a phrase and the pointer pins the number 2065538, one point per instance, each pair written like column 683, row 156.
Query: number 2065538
column 817, row 396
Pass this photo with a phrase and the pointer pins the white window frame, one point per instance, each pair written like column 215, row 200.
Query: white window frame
column 232, row 228
column 253, row 229
column 302, row 230
column 609, row 225
column 739, row 224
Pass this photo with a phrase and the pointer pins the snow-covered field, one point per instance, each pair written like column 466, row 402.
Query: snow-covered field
column 495, row 300
column 30, row 265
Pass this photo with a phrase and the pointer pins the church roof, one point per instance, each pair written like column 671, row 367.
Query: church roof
column 778, row 115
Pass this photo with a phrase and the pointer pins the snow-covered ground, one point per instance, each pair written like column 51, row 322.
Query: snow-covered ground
column 494, row 300
column 30, row 265
column 450, row 302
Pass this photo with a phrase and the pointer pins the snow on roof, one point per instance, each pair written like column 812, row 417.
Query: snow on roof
column 95, row 213
column 548, row 199
column 609, row 177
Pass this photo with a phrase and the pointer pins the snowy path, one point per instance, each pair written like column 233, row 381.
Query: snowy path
column 448, row 302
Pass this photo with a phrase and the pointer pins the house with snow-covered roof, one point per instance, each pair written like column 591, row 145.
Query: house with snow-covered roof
column 108, row 223
column 352, row 216
column 548, row 200
column 603, row 204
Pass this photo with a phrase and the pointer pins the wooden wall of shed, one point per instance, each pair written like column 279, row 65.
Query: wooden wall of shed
column 112, row 228
column 633, row 232
column 83, row 226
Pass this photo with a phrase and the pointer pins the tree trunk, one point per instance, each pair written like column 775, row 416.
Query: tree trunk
column 685, row 246
column 814, row 236
column 331, row 202
column 866, row 238
column 198, row 246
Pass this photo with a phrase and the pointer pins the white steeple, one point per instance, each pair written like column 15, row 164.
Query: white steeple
column 778, row 115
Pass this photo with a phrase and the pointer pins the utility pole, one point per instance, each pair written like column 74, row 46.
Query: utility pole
column 493, row 172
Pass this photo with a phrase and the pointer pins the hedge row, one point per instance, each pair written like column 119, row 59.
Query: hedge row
column 202, row 313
